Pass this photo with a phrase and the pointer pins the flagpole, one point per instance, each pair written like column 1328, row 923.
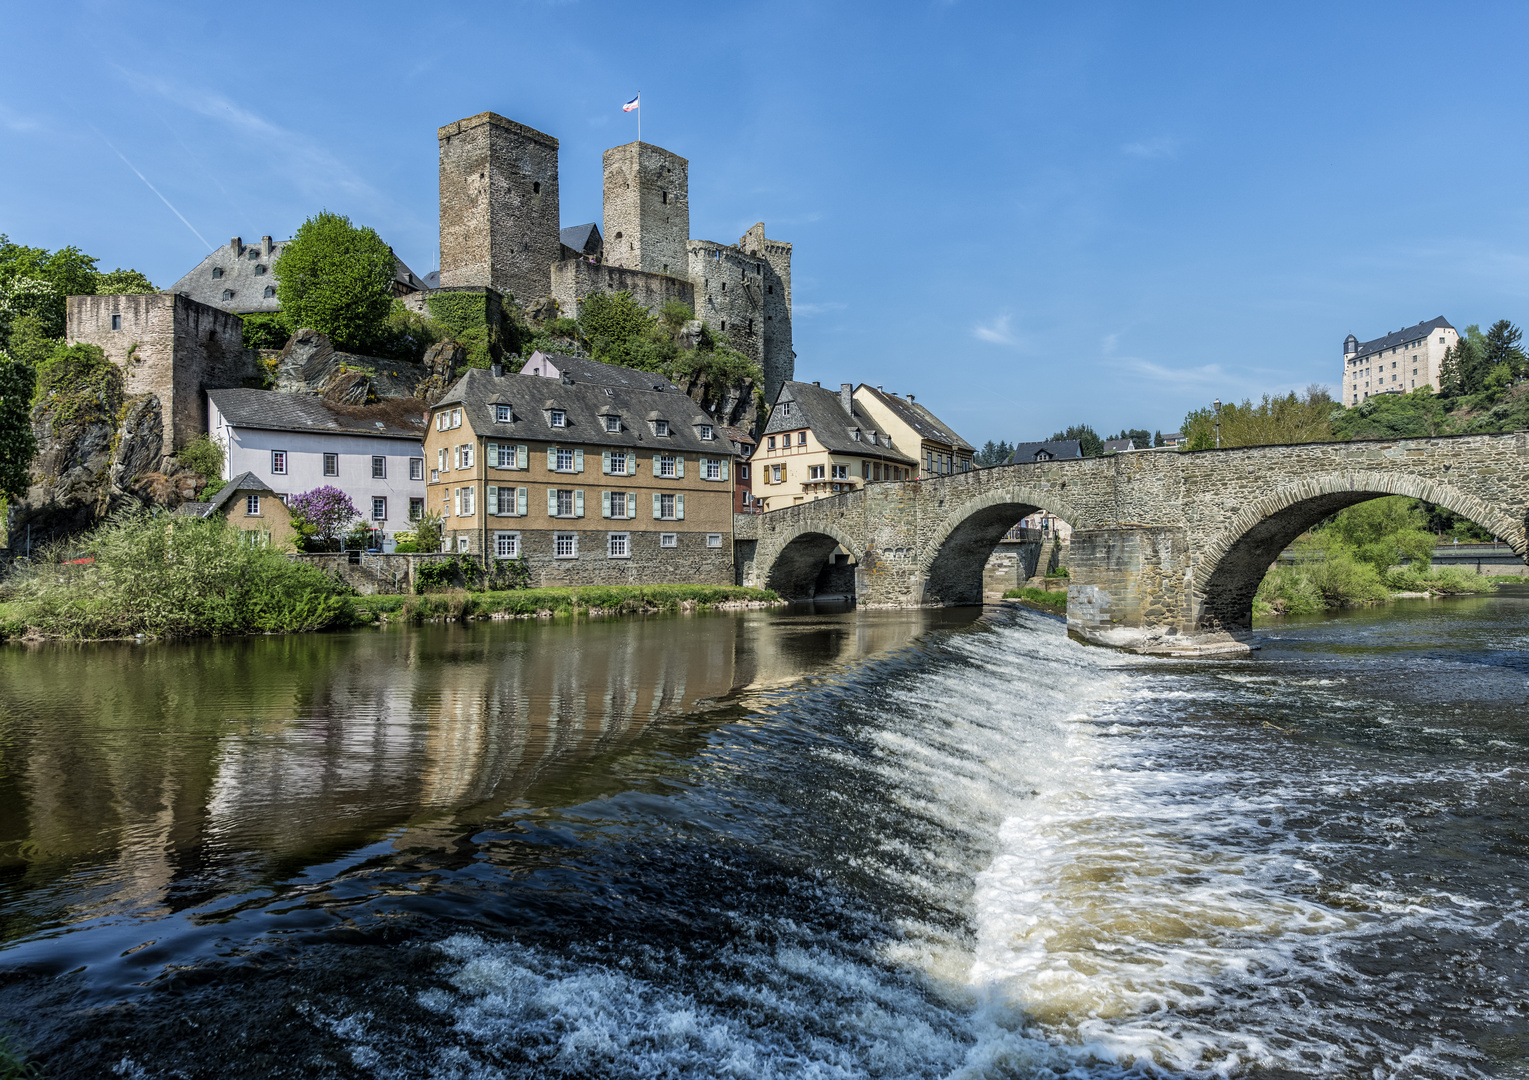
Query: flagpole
column 639, row 116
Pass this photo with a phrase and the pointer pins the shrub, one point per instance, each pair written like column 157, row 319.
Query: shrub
column 1055, row 602
column 323, row 514
column 203, row 455
column 265, row 330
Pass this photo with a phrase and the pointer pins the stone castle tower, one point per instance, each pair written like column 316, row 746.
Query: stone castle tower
column 500, row 226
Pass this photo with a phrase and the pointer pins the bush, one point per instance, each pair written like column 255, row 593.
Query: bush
column 1054, row 602
column 265, row 330
column 150, row 572
column 203, row 455
column 336, row 278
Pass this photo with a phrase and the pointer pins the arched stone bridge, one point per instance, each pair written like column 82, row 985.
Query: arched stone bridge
column 1163, row 545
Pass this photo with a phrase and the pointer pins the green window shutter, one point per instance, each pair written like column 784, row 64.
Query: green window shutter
column 578, row 503
column 631, row 464
column 679, row 465
column 605, row 504
column 724, row 468
column 655, row 464
column 578, row 460
column 679, row 508
column 631, row 504
column 491, row 500
column 605, row 462
column 492, row 449
column 551, row 458
column 658, row 508
column 552, row 502
column 520, row 499
column 522, row 456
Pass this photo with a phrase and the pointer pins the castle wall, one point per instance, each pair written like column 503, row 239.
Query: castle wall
column 499, row 206
column 574, row 279
column 730, row 293
column 647, row 208
column 169, row 345
column 779, row 358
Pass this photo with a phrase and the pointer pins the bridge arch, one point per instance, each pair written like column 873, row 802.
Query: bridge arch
column 1231, row 565
column 960, row 547
column 800, row 553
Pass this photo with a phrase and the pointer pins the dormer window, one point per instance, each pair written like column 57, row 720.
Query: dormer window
column 661, row 427
column 217, row 271
column 706, row 432
column 259, row 270
column 254, row 254
column 269, row 292
column 501, row 414
column 558, row 418
column 228, row 294
column 856, row 435
column 613, row 423
column 785, row 408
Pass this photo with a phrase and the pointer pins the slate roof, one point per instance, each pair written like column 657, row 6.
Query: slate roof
column 585, row 239
column 248, row 278
column 268, row 410
column 1062, row 448
column 582, row 370
column 239, row 485
column 920, row 419
column 432, row 280
column 745, row 442
column 532, row 397
column 820, row 411
column 1403, row 336
column 1118, row 446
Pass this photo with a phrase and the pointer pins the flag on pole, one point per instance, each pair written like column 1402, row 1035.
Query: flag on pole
column 635, row 103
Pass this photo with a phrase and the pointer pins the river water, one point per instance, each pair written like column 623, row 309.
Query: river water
column 773, row 844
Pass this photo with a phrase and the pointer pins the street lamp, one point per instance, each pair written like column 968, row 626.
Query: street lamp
column 1217, row 404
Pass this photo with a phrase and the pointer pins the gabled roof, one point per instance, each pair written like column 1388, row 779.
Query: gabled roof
column 269, row 410
column 920, row 419
column 745, row 442
column 1403, row 336
column 1031, row 451
column 584, row 405
column 249, row 278
column 585, row 239
column 822, row 412
column 583, row 370
column 246, row 483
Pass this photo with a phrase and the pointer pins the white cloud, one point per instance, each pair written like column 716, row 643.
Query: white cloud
column 1160, row 147
column 996, row 332
column 15, row 121
column 1205, row 375
column 800, row 311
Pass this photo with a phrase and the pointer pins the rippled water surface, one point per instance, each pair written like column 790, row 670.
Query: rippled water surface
column 804, row 844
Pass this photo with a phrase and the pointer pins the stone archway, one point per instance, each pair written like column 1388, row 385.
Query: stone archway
column 1231, row 565
column 799, row 556
column 959, row 548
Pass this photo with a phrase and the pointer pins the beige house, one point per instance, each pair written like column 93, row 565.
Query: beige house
column 817, row 443
column 932, row 442
column 588, row 483
column 1397, row 363
column 250, row 505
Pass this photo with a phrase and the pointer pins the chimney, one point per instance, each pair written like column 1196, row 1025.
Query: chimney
column 816, row 383
column 497, row 370
column 847, row 397
column 910, row 397
column 237, row 245
column 265, row 246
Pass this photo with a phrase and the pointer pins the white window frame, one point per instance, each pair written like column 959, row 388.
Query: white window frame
column 464, row 545
column 331, row 464
column 416, row 468
column 711, row 469
column 560, row 467
column 379, row 467
column 666, row 466
column 503, row 415
column 661, row 428
column 713, row 540
column 557, row 418
column 252, row 506
column 379, row 502
column 743, row 471
column 278, row 463
column 613, row 424
column 416, row 508
column 456, row 418
column 668, row 540
column 666, row 508
column 467, row 502
column 839, row 472
column 621, row 540
column 565, row 545
column 707, row 432
column 626, row 500
column 506, row 545
column 816, row 472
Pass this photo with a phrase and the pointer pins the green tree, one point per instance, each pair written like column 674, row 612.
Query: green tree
column 17, row 444
column 1292, row 418
column 1381, row 416
column 1502, row 348
column 336, row 278
column 1092, row 444
column 1385, row 532
column 120, row 282
column 69, row 270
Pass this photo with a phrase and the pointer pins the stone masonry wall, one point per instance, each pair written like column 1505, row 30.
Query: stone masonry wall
column 647, row 209
column 499, row 206
column 729, row 296
column 690, row 562
column 779, row 358
column 574, row 279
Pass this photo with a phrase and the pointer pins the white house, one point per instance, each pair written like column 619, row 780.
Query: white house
column 298, row 442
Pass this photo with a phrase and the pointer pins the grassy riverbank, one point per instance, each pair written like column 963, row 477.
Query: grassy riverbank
column 1042, row 599
column 585, row 600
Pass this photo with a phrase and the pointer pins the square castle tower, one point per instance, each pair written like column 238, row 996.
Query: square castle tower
column 499, row 230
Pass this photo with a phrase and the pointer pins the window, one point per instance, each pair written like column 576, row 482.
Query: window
column 270, row 291
column 785, row 408
column 565, row 504
column 279, row 462
column 465, row 456
column 379, row 508
column 666, row 507
column 507, row 545
column 536, row 187
column 331, row 464
column 456, row 418
column 618, row 545
column 668, row 540
column 666, row 465
column 559, row 418
column 259, row 270
column 217, row 272
column 440, row 460
column 801, row 438
column 711, row 469
column 780, row 472
column 467, row 502
column 252, row 505
column 706, row 432
column 254, row 254
column 464, row 544
column 416, row 468
column 743, row 472
column 713, row 540
column 619, row 505
column 564, row 459
column 416, row 509
column 814, row 472
column 379, row 467
column 228, row 294
column 565, row 545
column 841, row 472
column 661, row 427
column 770, row 443
column 116, row 322
column 618, row 463
column 613, row 423
column 501, row 414
column 435, row 476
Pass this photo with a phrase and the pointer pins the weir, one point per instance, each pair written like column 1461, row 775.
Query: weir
column 1167, row 548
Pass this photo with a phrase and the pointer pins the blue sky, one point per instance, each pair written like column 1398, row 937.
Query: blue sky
column 1029, row 215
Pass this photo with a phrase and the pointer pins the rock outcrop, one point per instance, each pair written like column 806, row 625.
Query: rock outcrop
column 310, row 365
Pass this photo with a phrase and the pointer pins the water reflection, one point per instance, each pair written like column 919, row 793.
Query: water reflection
column 144, row 779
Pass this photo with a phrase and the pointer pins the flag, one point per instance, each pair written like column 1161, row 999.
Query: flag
column 635, row 103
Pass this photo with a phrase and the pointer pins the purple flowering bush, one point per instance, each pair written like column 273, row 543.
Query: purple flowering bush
column 322, row 515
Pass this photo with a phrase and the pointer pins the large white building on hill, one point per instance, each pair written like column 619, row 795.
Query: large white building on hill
column 1397, row 363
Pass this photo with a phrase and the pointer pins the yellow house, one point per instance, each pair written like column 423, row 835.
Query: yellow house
column 939, row 450
column 250, row 505
column 589, row 484
column 817, row 443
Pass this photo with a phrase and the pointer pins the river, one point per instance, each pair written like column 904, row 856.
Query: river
column 806, row 843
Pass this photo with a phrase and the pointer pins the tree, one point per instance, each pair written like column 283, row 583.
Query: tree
column 324, row 513
column 1380, row 416
column 1502, row 347
column 336, row 278
column 1274, row 421
column 17, row 444
column 1139, row 438
column 1092, row 444
column 120, row 282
